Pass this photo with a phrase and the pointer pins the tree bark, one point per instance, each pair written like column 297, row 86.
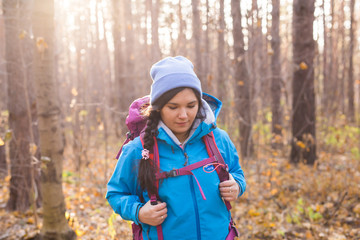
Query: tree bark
column 303, row 146
column 182, row 28
column 3, row 103
column 276, row 76
column 351, row 105
column 326, row 84
column 155, row 47
column 3, row 163
column 127, row 86
column 118, row 67
column 242, row 82
column 196, row 33
column 221, row 54
column 55, row 225
column 221, row 64
column 23, row 176
column 207, row 83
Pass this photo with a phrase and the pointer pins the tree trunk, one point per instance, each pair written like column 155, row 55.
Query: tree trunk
column 3, row 103
column 331, row 84
column 207, row 83
column 23, row 176
column 221, row 65
column 343, row 60
column 3, row 164
column 303, row 146
column 242, row 82
column 196, row 33
column 221, row 54
column 55, row 225
column 351, row 105
column 182, row 37
column 276, row 76
column 325, row 66
column 127, row 86
column 118, row 68
column 155, row 47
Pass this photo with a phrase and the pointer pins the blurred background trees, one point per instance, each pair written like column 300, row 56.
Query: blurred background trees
column 275, row 70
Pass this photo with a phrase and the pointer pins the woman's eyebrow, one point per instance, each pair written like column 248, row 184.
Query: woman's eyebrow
column 172, row 103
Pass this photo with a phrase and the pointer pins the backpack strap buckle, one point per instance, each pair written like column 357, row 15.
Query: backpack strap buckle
column 171, row 173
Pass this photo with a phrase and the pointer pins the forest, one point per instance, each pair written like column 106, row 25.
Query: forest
column 286, row 71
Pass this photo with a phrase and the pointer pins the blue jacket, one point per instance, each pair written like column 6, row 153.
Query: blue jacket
column 189, row 215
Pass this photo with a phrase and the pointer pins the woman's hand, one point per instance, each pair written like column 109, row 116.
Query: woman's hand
column 229, row 189
column 153, row 215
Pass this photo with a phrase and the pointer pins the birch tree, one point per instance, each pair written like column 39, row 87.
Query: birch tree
column 55, row 225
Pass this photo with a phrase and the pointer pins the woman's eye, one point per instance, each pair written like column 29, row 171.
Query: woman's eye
column 191, row 106
column 172, row 108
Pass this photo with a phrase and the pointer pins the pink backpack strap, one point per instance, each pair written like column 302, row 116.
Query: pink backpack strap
column 187, row 170
column 153, row 197
column 223, row 170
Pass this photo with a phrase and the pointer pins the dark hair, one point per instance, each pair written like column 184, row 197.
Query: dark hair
column 147, row 168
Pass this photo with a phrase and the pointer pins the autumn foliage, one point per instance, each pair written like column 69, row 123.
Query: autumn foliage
column 282, row 200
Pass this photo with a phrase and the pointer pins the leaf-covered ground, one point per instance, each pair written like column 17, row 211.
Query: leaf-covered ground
column 282, row 201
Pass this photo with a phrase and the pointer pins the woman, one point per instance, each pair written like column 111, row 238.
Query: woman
column 188, row 206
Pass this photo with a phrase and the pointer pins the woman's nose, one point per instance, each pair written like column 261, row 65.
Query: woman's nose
column 182, row 113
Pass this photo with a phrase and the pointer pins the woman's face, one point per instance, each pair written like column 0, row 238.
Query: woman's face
column 179, row 113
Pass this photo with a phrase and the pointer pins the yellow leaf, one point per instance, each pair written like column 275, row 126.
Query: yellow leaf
column 23, row 34
column 303, row 66
column 2, row 143
column 309, row 235
column 274, row 192
column 8, row 135
column 300, row 144
column 79, row 232
column 240, row 83
column 32, row 149
column 74, row 92
column 357, row 208
column 253, row 213
column 30, row 220
column 258, row 22
column 270, row 52
column 41, row 44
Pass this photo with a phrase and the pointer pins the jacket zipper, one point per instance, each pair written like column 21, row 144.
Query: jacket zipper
column 191, row 182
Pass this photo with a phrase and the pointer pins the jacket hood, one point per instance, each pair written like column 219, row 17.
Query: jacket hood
column 210, row 109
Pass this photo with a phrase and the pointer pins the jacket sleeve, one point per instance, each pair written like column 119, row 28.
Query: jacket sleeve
column 231, row 157
column 123, row 190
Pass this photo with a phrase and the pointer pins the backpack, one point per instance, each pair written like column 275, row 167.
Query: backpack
column 136, row 123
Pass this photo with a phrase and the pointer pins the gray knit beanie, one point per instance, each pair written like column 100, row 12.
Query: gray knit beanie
column 170, row 73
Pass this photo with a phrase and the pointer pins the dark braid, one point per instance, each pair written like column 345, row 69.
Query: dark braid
column 147, row 167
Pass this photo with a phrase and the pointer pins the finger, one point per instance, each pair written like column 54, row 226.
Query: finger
column 159, row 206
column 228, row 188
column 162, row 212
column 162, row 219
column 226, row 183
